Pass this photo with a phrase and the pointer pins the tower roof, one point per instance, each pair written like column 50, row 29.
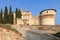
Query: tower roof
column 48, row 9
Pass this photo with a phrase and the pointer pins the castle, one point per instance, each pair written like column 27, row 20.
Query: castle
column 46, row 17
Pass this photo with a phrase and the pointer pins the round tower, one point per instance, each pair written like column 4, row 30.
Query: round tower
column 47, row 17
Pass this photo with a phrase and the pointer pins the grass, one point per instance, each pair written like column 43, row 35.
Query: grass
column 8, row 26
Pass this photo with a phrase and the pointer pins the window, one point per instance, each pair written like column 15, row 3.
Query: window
column 47, row 11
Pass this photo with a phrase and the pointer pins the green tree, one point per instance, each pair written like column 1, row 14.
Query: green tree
column 1, row 16
column 17, row 12
column 19, row 15
column 5, row 15
column 10, row 16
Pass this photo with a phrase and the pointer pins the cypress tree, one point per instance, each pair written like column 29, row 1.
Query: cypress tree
column 17, row 13
column 10, row 15
column 1, row 16
column 5, row 15
column 20, row 14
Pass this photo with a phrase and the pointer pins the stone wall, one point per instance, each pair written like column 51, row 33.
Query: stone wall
column 48, row 28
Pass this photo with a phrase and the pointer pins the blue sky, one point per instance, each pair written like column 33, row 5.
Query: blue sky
column 35, row 6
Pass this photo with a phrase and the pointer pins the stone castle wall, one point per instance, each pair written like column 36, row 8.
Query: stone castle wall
column 46, row 17
column 26, row 19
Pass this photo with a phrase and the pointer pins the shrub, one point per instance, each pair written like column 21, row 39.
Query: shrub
column 57, row 34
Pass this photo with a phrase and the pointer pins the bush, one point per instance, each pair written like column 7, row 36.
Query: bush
column 7, row 26
column 57, row 34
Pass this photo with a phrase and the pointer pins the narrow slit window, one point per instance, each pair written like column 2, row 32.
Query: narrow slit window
column 47, row 11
